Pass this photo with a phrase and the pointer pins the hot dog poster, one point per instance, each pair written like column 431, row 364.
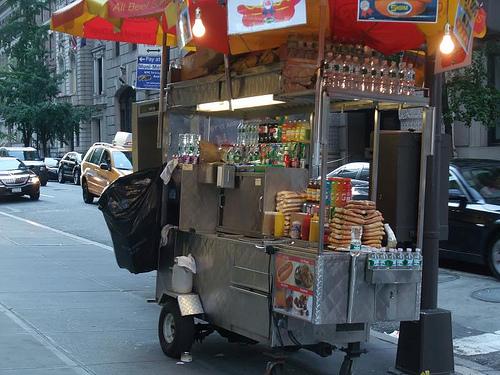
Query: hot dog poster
column 422, row 11
column 249, row 16
column 294, row 286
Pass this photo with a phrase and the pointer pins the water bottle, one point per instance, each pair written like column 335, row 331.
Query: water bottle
column 393, row 78
column 408, row 259
column 354, row 78
column 391, row 258
column 417, row 259
column 401, row 78
column 384, row 78
column 410, row 80
column 383, row 258
column 399, row 259
column 364, row 75
column 372, row 259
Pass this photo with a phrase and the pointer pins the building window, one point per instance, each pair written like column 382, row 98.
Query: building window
column 72, row 78
column 98, row 76
column 117, row 49
column 61, row 70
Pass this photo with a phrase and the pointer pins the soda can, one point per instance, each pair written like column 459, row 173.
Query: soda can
column 295, row 230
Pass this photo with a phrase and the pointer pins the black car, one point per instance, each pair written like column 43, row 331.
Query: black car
column 474, row 212
column 70, row 168
column 473, row 209
column 30, row 157
column 52, row 165
column 16, row 179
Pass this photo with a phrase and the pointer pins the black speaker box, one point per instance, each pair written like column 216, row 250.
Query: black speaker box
column 399, row 179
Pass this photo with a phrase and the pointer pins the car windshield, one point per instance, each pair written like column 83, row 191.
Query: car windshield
column 11, row 164
column 485, row 180
column 50, row 162
column 24, row 155
column 122, row 160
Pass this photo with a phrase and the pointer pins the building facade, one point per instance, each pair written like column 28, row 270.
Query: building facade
column 97, row 74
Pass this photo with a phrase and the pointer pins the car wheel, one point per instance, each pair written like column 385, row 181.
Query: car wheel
column 494, row 257
column 176, row 332
column 35, row 196
column 76, row 177
column 43, row 182
column 88, row 197
column 60, row 176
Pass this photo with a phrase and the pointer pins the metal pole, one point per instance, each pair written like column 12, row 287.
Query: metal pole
column 375, row 155
column 161, row 102
column 430, row 240
column 323, row 117
column 316, row 131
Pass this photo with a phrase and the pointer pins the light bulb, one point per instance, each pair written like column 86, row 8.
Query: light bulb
column 198, row 27
column 447, row 46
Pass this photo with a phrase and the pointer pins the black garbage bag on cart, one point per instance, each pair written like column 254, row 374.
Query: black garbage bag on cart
column 132, row 210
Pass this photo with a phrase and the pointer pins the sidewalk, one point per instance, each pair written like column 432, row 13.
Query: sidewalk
column 66, row 308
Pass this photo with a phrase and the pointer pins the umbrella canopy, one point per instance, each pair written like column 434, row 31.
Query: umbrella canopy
column 115, row 20
column 145, row 22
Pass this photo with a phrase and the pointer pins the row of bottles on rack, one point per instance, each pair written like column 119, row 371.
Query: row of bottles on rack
column 355, row 67
column 395, row 259
column 277, row 142
column 280, row 130
column 188, row 148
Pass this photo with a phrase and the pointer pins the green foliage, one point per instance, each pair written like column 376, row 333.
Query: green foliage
column 28, row 85
column 469, row 95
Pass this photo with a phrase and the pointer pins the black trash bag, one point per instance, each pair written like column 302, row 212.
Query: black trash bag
column 132, row 210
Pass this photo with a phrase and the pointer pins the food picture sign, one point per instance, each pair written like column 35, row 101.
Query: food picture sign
column 422, row 11
column 249, row 16
column 294, row 286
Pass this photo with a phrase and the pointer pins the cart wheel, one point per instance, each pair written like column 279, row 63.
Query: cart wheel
column 347, row 366
column 176, row 332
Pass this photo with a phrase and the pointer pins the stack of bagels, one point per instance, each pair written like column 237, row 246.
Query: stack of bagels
column 289, row 202
column 356, row 213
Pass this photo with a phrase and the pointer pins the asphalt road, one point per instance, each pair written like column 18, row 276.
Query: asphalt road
column 463, row 289
column 61, row 207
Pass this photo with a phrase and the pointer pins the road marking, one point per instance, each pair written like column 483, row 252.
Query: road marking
column 46, row 342
column 480, row 344
column 12, row 209
column 46, row 195
column 69, row 235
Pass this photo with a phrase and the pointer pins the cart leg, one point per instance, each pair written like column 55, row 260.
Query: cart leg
column 275, row 368
column 352, row 352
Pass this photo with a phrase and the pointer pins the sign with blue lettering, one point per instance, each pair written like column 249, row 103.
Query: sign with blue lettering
column 148, row 72
column 416, row 11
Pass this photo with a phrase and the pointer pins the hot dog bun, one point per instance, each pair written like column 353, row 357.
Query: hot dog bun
column 285, row 271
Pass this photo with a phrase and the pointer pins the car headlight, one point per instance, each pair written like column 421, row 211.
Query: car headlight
column 34, row 179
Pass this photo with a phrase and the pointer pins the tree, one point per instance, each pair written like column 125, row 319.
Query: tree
column 468, row 95
column 28, row 85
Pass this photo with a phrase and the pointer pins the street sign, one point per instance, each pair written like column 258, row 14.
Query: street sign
column 148, row 67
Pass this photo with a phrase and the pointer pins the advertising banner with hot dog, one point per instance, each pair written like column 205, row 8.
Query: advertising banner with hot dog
column 249, row 16
column 421, row 11
column 294, row 286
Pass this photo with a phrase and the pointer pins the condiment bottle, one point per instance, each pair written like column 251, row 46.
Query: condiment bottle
column 279, row 224
column 306, row 224
column 314, row 229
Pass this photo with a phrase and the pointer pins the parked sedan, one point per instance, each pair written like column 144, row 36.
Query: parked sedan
column 17, row 179
column 474, row 212
column 70, row 168
column 473, row 209
column 52, row 165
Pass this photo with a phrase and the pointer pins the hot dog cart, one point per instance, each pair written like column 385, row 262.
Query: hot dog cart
column 287, row 294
